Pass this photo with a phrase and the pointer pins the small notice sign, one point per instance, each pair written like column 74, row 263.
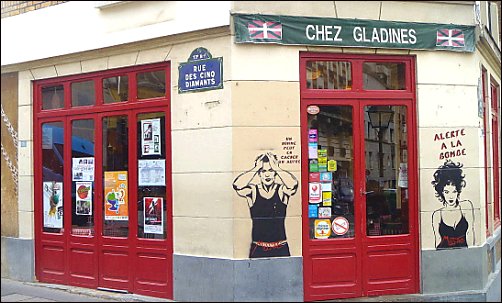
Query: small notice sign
column 201, row 72
column 340, row 226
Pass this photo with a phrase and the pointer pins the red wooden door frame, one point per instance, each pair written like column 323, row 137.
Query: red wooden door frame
column 358, row 98
column 65, row 241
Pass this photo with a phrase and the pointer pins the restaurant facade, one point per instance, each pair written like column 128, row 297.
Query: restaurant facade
column 254, row 151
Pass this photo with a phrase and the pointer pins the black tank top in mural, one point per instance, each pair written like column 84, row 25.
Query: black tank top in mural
column 453, row 237
column 268, row 218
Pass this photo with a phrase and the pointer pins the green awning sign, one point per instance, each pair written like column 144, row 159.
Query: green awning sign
column 294, row 30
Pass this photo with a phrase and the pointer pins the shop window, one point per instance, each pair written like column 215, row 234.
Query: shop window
column 331, row 177
column 151, row 204
column 329, row 75
column 53, row 97
column 52, row 176
column 82, row 93
column 115, row 89
column 115, row 166
column 384, row 76
column 83, row 188
column 151, row 84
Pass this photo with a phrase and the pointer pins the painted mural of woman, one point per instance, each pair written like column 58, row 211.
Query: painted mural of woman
column 268, row 199
column 453, row 224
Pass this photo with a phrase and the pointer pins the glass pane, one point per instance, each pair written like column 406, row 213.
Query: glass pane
column 82, row 188
column 386, row 170
column 152, row 210
column 115, row 165
column 151, row 84
column 331, row 173
column 384, row 76
column 52, row 176
column 115, row 89
column 82, row 93
column 53, row 97
column 329, row 75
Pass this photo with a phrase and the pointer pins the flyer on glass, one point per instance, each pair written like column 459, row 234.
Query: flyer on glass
column 152, row 172
column 150, row 137
column 53, row 204
column 83, row 198
column 154, row 214
column 116, row 206
column 83, row 169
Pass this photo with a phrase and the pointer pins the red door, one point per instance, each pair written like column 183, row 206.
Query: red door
column 107, row 182
column 359, row 175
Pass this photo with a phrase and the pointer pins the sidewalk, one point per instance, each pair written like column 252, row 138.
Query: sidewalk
column 16, row 291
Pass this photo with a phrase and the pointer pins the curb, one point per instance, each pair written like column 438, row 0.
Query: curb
column 110, row 295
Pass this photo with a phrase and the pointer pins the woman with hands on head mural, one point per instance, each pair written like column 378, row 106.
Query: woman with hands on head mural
column 267, row 200
column 453, row 224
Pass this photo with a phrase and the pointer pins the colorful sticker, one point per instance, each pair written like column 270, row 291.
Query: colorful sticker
column 324, row 212
column 313, row 166
column 53, row 204
column 332, row 165
column 314, row 177
column 154, row 215
column 321, row 153
column 322, row 228
column 313, row 211
column 340, row 226
column 326, row 187
column 326, row 198
column 83, row 198
column 314, row 192
column 323, row 167
column 313, row 151
column 116, row 206
column 326, row 177
column 313, row 136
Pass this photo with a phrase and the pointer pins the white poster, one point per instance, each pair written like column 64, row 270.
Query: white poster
column 83, row 169
column 150, row 137
column 152, row 172
column 83, row 198
column 53, row 204
column 402, row 179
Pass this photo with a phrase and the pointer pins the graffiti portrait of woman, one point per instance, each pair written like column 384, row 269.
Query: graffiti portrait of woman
column 267, row 197
column 453, row 223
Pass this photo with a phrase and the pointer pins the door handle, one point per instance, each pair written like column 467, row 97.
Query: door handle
column 367, row 192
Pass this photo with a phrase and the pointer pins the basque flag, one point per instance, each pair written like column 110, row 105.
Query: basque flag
column 265, row 30
column 450, row 37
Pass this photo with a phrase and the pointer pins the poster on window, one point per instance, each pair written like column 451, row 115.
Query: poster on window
column 152, row 172
column 150, row 137
column 83, row 169
column 116, row 206
column 83, row 198
column 154, row 215
column 53, row 204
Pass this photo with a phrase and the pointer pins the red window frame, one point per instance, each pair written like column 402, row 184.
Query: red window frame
column 133, row 105
column 495, row 123
column 484, row 75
